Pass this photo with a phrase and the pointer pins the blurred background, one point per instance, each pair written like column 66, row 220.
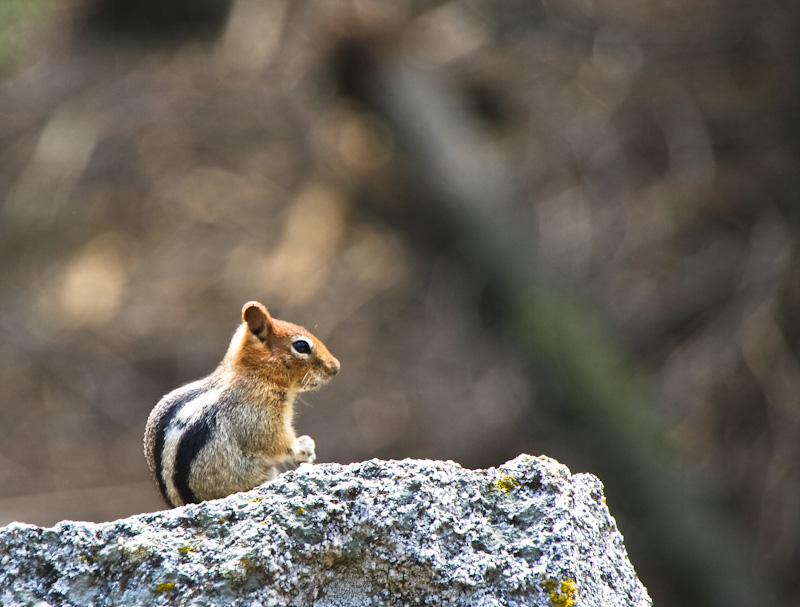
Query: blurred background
column 565, row 227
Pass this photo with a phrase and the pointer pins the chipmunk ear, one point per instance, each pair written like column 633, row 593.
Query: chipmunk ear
column 258, row 320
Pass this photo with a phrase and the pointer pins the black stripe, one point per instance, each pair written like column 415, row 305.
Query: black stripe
column 193, row 439
column 171, row 410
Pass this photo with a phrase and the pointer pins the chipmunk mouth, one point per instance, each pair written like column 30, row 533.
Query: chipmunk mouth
column 314, row 381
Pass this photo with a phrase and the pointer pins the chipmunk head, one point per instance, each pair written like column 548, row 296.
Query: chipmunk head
column 281, row 352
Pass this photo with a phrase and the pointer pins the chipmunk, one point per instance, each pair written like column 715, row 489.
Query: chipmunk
column 230, row 431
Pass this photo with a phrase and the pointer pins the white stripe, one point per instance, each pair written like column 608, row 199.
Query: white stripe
column 189, row 413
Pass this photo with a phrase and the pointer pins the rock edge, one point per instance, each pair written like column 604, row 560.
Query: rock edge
column 373, row 533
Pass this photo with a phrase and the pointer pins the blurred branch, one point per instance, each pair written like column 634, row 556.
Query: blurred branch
column 165, row 22
column 466, row 178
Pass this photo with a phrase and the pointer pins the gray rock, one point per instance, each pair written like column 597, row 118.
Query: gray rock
column 375, row 533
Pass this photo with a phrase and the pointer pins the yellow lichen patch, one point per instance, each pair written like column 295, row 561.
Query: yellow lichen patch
column 505, row 483
column 237, row 569
column 165, row 587
column 255, row 500
column 563, row 594
column 301, row 510
column 186, row 549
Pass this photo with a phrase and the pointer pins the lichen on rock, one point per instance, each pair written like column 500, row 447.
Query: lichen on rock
column 374, row 533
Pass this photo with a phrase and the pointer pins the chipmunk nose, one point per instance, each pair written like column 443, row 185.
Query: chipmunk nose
column 334, row 366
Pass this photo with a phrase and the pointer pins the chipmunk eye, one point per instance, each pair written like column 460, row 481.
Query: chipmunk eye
column 302, row 346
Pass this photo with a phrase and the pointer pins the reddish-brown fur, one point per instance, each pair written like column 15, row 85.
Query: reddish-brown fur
column 263, row 365
column 264, row 356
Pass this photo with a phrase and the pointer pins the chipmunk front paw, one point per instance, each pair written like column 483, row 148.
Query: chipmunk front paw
column 304, row 449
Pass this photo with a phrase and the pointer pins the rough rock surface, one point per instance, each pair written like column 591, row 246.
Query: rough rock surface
column 376, row 533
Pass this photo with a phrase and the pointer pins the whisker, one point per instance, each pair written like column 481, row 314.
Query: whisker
column 302, row 400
